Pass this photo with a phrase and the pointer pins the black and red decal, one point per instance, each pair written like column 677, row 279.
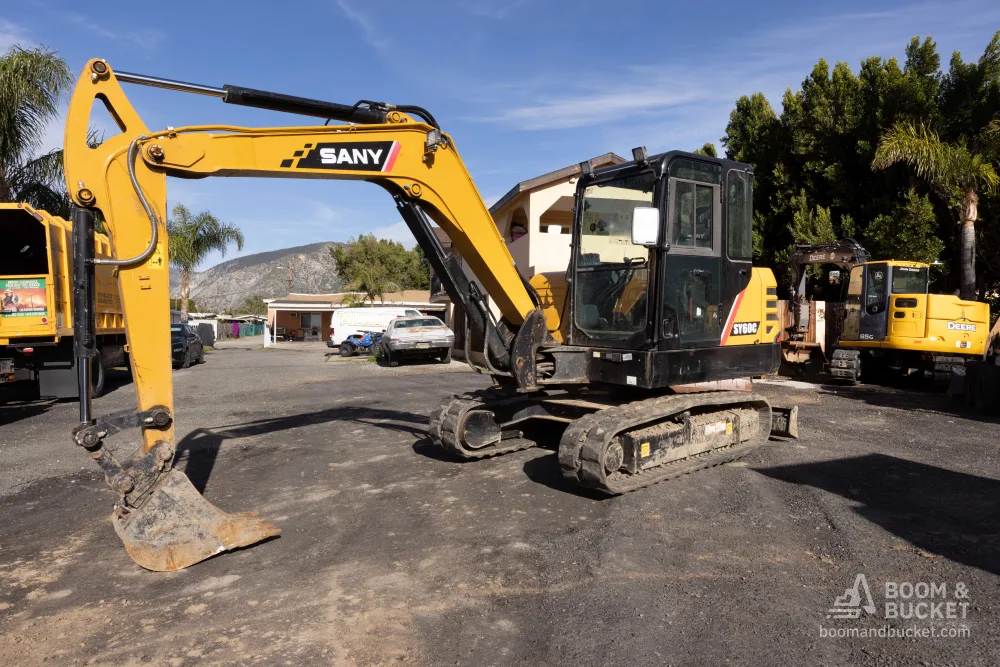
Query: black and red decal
column 348, row 156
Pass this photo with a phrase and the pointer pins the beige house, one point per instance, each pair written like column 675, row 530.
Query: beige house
column 536, row 220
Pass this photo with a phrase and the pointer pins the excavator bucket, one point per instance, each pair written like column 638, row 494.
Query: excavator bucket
column 176, row 527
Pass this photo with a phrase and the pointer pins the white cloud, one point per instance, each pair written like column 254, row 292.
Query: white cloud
column 490, row 9
column 686, row 97
column 146, row 40
column 396, row 232
column 323, row 213
column 11, row 34
column 582, row 109
column 368, row 30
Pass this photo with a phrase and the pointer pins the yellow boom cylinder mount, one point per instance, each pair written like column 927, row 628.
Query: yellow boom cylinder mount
column 162, row 519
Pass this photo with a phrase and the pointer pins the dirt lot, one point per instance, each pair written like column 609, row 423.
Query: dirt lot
column 393, row 553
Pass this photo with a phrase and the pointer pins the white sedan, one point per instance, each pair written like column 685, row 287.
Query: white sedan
column 415, row 337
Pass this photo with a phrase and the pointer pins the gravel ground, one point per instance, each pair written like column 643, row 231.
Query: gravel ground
column 391, row 552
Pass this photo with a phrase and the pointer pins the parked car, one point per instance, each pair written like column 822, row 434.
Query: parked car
column 185, row 346
column 348, row 322
column 360, row 343
column 415, row 337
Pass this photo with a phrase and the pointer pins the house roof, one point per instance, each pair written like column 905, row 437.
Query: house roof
column 553, row 176
column 410, row 297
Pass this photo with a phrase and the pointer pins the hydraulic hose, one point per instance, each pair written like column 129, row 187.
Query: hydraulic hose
column 133, row 151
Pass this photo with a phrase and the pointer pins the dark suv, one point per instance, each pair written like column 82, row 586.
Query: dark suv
column 185, row 346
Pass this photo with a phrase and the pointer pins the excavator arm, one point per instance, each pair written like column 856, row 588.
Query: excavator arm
column 845, row 254
column 163, row 521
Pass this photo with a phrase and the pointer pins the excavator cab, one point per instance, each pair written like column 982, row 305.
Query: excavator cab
column 662, row 258
column 880, row 291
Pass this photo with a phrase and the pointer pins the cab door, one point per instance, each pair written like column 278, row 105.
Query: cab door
column 692, row 279
column 874, row 302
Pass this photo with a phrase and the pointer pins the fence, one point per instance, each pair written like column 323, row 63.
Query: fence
column 240, row 329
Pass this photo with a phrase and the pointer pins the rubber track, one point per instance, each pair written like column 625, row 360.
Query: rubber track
column 581, row 449
column 448, row 415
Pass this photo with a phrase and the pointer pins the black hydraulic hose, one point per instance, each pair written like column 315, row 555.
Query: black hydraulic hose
column 405, row 108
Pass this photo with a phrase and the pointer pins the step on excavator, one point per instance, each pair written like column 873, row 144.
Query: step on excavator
column 629, row 374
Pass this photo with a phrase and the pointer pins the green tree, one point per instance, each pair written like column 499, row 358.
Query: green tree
column 32, row 83
column 175, row 304
column 819, row 150
column 912, row 226
column 191, row 239
column 707, row 149
column 953, row 171
column 379, row 266
column 252, row 305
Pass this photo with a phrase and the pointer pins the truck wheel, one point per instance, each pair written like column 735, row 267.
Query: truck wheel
column 97, row 374
column 346, row 350
column 187, row 359
column 445, row 358
column 201, row 356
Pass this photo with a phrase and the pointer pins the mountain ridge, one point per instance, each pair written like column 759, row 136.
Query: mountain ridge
column 229, row 284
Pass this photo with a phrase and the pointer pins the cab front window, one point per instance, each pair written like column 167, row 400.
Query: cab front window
column 612, row 272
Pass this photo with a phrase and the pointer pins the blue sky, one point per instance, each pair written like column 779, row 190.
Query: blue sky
column 523, row 86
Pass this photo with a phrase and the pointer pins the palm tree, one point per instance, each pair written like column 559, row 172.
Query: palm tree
column 954, row 172
column 374, row 281
column 191, row 238
column 32, row 82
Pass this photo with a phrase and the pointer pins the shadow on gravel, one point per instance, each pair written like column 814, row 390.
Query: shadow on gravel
column 941, row 511
column 426, row 447
column 199, row 449
column 15, row 412
column 907, row 400
column 545, row 470
column 26, row 402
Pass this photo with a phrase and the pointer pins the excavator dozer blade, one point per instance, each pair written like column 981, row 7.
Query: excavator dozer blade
column 176, row 527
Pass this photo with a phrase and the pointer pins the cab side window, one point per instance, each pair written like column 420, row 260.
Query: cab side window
column 739, row 215
column 694, row 215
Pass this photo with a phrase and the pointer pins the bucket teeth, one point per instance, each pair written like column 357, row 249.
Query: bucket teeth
column 176, row 527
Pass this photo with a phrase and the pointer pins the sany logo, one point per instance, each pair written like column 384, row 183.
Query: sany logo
column 347, row 156
column 354, row 156
column 849, row 605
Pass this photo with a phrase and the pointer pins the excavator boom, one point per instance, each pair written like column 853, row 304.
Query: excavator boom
column 163, row 521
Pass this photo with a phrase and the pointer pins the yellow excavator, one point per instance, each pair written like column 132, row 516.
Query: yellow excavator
column 890, row 321
column 665, row 311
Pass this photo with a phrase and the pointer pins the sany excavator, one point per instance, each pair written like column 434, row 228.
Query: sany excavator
column 663, row 301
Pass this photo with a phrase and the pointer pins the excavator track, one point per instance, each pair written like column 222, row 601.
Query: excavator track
column 585, row 443
column 448, row 420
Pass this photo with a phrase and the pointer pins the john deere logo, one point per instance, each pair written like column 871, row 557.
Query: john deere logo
column 346, row 156
column 960, row 326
